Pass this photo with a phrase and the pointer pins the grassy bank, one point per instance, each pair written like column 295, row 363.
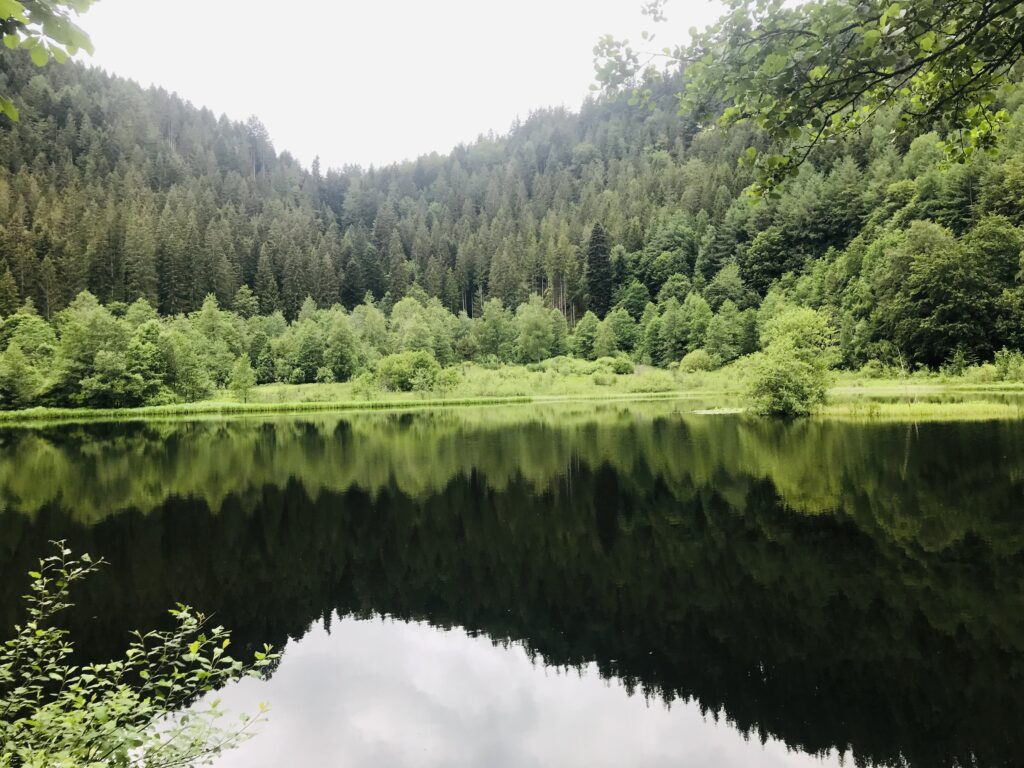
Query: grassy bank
column 852, row 397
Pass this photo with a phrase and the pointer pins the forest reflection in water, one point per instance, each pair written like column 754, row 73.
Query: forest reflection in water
column 838, row 588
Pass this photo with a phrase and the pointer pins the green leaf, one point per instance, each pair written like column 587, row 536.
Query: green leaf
column 12, row 9
column 39, row 56
column 926, row 42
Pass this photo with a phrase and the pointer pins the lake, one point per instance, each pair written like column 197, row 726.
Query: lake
column 571, row 585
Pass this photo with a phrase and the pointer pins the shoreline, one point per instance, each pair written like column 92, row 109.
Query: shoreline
column 849, row 404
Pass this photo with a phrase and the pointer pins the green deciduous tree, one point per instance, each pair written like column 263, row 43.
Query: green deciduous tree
column 44, row 28
column 808, row 73
column 243, row 378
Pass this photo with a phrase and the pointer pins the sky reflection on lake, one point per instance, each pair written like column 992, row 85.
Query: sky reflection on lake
column 390, row 693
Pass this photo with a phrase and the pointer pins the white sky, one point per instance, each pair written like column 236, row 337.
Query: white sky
column 372, row 81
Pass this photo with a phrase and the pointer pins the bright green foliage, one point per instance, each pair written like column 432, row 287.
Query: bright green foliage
column 624, row 329
column 605, row 342
column 112, row 383
column 243, row 378
column 698, row 360
column 125, row 712
column 808, row 74
column 245, row 303
column 44, row 28
column 537, row 334
column 583, row 336
column 790, row 377
column 21, row 382
column 341, row 350
column 407, row 371
column 725, row 333
column 677, row 287
column 495, row 332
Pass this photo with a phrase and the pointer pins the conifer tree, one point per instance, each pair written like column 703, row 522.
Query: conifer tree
column 8, row 294
column 266, row 284
column 599, row 272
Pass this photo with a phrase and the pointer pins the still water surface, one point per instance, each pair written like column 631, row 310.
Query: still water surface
column 560, row 586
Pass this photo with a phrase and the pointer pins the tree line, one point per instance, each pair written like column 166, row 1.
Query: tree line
column 632, row 226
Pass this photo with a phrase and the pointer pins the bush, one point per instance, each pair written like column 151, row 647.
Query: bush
column 604, row 379
column 873, row 369
column 622, row 365
column 698, row 360
column 364, row 386
column 127, row 711
column 982, row 374
column 324, row 375
column 652, row 381
column 790, row 378
column 1010, row 365
column 786, row 383
column 617, row 364
column 406, row 371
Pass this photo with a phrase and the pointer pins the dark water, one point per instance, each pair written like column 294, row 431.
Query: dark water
column 613, row 585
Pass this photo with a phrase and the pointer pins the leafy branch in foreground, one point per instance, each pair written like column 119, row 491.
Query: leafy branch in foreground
column 129, row 712
column 809, row 74
column 44, row 28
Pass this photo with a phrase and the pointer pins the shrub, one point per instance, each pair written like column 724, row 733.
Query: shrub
column 786, row 383
column 873, row 369
column 324, row 375
column 982, row 374
column 652, row 381
column 405, row 371
column 124, row 712
column 698, row 360
column 790, row 377
column 1010, row 364
column 602, row 379
column 364, row 386
column 622, row 365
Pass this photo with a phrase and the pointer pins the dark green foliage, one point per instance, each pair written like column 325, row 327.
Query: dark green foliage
column 599, row 271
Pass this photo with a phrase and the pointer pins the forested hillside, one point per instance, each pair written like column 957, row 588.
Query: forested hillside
column 618, row 212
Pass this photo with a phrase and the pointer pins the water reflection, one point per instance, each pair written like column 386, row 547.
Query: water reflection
column 385, row 693
column 839, row 588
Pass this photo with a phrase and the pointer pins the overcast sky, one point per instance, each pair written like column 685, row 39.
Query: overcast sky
column 372, row 81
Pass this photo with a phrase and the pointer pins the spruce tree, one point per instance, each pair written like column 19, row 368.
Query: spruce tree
column 8, row 294
column 599, row 271
column 266, row 284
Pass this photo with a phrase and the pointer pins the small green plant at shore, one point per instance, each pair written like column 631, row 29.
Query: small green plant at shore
column 134, row 711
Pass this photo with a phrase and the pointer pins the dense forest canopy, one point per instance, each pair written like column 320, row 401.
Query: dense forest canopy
column 615, row 230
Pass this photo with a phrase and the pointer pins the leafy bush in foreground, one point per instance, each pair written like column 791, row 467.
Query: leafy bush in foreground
column 126, row 712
